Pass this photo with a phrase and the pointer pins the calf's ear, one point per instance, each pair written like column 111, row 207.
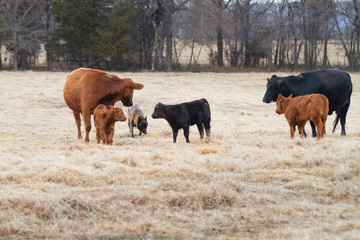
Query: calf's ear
column 138, row 86
column 290, row 96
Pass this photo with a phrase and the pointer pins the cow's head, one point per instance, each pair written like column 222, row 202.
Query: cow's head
column 118, row 114
column 159, row 111
column 128, row 92
column 281, row 103
column 273, row 89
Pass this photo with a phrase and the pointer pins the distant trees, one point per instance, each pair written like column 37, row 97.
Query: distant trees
column 21, row 30
column 115, row 44
column 348, row 29
column 75, row 32
column 149, row 34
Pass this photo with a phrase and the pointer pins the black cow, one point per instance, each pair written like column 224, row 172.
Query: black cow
column 334, row 84
column 185, row 115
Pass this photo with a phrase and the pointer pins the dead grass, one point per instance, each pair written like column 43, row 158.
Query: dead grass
column 249, row 180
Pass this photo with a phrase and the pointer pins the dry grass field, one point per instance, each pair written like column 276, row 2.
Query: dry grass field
column 248, row 181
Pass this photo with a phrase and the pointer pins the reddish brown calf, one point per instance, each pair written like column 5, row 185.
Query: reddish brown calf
column 105, row 119
column 299, row 110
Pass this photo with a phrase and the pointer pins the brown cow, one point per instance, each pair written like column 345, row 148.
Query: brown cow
column 299, row 110
column 86, row 88
column 104, row 119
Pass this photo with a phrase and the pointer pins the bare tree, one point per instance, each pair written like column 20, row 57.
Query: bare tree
column 220, row 6
column 161, row 14
column 348, row 29
column 48, row 30
column 250, row 14
column 315, row 19
column 308, row 24
column 22, row 30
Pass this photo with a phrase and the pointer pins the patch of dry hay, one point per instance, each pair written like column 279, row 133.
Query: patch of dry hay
column 249, row 180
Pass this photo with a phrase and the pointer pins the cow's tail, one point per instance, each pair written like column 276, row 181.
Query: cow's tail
column 336, row 121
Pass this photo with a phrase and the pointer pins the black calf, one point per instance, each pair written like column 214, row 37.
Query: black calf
column 185, row 115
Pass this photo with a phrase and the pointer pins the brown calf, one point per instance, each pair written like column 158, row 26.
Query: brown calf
column 300, row 109
column 105, row 119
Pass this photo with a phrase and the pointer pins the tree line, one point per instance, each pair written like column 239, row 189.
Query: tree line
column 149, row 34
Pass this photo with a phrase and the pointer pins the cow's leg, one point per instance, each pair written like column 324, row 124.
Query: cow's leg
column 175, row 133
column 207, row 128
column 78, row 123
column 343, row 113
column 200, row 127
column 313, row 129
column 186, row 133
column 103, row 136
column 110, row 137
column 292, row 130
column 87, row 122
column 319, row 127
column 98, row 135
column 323, row 119
column 301, row 129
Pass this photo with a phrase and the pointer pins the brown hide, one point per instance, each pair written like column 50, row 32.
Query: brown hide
column 299, row 110
column 86, row 88
column 104, row 119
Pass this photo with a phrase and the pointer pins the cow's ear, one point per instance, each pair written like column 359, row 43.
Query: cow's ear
column 290, row 96
column 138, row 86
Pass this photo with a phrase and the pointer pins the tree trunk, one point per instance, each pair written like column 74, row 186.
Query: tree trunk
column 276, row 53
column 305, row 34
column 247, row 62
column 192, row 53
column 220, row 55
column 48, row 46
column 0, row 57
column 168, row 34
column 15, row 52
column 219, row 34
column 325, row 58
column 357, row 30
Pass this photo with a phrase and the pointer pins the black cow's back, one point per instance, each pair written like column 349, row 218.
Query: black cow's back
column 199, row 111
column 334, row 84
column 188, row 113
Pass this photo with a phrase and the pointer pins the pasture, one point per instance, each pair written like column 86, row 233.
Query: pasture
column 249, row 180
